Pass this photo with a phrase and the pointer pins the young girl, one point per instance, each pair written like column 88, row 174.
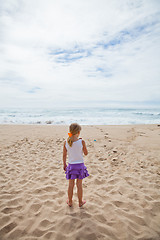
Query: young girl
column 75, row 147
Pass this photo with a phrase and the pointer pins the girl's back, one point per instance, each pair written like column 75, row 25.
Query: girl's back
column 75, row 152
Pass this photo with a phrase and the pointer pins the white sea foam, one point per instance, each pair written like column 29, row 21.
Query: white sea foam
column 85, row 116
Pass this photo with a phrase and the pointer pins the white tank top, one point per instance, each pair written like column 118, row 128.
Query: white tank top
column 75, row 153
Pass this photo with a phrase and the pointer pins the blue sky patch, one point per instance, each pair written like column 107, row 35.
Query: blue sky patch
column 33, row 90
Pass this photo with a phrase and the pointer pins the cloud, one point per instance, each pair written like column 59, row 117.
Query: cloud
column 58, row 52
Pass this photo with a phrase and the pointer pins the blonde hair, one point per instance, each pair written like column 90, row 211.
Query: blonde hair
column 74, row 128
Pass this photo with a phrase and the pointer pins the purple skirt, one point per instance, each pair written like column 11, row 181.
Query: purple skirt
column 77, row 170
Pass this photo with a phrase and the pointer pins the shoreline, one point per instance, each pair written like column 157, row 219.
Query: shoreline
column 34, row 124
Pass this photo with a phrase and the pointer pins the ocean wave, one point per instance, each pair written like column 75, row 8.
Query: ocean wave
column 147, row 114
column 86, row 116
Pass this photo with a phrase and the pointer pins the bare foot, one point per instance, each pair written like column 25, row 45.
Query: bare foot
column 82, row 203
column 69, row 204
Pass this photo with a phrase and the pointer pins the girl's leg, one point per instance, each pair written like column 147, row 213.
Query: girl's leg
column 70, row 190
column 80, row 192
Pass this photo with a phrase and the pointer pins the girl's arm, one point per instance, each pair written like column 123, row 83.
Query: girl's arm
column 84, row 148
column 64, row 156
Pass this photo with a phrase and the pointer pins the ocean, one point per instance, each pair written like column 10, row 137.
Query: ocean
column 84, row 116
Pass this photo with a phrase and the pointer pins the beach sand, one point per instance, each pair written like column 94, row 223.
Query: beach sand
column 122, row 191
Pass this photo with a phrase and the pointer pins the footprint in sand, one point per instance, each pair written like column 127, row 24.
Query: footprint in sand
column 45, row 223
column 8, row 228
column 35, row 207
column 8, row 210
column 119, row 203
column 99, row 182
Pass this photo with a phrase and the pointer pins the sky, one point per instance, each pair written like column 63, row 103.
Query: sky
column 57, row 53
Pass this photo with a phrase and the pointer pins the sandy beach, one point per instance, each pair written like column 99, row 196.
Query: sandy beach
column 122, row 191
